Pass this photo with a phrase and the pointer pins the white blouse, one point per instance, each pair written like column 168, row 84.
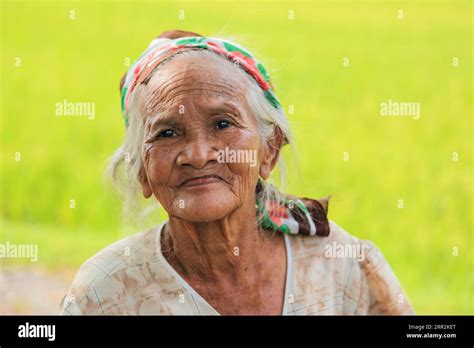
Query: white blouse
column 338, row 274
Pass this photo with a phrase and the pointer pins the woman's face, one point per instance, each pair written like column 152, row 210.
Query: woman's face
column 196, row 117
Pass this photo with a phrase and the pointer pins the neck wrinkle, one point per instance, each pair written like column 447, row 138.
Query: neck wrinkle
column 226, row 249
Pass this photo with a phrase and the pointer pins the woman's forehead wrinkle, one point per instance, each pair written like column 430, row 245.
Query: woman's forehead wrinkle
column 182, row 78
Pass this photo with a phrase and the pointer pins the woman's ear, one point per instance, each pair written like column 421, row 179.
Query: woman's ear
column 271, row 153
column 147, row 192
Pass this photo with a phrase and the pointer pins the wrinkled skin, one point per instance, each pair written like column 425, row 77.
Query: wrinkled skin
column 191, row 109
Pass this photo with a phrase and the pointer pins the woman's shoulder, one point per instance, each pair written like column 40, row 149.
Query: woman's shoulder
column 127, row 252
column 336, row 236
column 108, row 264
column 358, row 268
column 338, row 247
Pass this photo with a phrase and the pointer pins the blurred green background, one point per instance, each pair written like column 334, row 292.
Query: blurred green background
column 403, row 56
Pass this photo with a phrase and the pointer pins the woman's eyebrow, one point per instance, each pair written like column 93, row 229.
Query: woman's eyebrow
column 164, row 120
column 223, row 108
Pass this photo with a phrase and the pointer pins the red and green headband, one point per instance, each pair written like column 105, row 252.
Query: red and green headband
column 162, row 48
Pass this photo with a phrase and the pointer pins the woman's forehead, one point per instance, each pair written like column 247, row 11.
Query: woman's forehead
column 197, row 77
column 200, row 69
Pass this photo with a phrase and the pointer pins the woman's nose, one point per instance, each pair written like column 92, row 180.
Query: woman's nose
column 197, row 153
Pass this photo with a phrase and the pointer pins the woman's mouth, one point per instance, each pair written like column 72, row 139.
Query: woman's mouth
column 200, row 180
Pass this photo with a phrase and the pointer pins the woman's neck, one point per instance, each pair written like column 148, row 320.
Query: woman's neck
column 230, row 250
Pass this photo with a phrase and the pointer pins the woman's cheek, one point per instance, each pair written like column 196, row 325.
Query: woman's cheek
column 246, row 169
column 158, row 164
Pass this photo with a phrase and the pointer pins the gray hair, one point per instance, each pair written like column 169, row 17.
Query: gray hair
column 125, row 164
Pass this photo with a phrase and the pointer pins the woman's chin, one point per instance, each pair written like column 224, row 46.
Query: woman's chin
column 205, row 205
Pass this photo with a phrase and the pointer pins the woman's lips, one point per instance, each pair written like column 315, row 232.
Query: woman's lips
column 201, row 180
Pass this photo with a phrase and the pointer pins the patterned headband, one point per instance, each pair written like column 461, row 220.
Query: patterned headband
column 161, row 49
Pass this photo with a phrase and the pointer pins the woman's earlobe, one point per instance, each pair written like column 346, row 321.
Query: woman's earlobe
column 272, row 153
column 147, row 192
column 264, row 170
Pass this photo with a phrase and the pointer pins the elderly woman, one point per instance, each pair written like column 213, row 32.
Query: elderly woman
column 204, row 132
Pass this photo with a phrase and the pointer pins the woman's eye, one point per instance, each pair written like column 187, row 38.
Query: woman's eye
column 167, row 133
column 223, row 124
